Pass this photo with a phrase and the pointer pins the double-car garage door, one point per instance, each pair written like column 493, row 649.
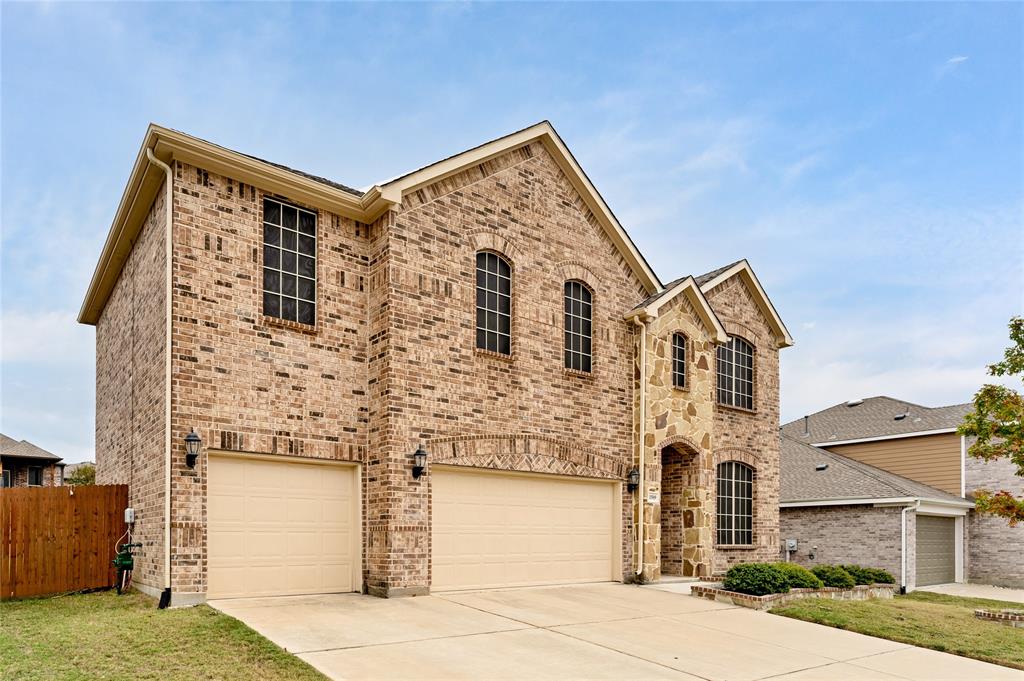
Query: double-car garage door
column 496, row 529
column 291, row 527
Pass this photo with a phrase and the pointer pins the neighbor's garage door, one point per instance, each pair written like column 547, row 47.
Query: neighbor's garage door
column 280, row 527
column 936, row 550
column 504, row 529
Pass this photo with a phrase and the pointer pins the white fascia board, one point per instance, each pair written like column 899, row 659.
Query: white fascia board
column 879, row 438
column 696, row 297
column 847, row 502
column 946, row 508
column 783, row 337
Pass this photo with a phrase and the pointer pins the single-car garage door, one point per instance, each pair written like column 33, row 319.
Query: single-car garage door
column 936, row 550
column 280, row 527
column 493, row 529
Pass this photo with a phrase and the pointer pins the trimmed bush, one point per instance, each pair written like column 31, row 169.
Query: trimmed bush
column 863, row 575
column 756, row 579
column 834, row 576
column 799, row 577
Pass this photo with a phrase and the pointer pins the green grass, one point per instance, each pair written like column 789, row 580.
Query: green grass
column 106, row 636
column 929, row 620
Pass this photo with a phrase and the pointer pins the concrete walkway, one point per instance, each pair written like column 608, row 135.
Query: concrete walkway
column 595, row 631
column 997, row 593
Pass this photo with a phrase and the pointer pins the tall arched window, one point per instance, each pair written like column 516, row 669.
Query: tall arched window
column 493, row 303
column 735, row 366
column 678, row 360
column 578, row 326
column 735, row 504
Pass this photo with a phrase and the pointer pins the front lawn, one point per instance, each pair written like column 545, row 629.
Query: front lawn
column 106, row 636
column 929, row 620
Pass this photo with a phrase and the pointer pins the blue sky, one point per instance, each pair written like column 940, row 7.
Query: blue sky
column 866, row 158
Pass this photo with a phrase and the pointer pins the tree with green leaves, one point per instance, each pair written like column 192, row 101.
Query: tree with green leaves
column 997, row 423
column 85, row 474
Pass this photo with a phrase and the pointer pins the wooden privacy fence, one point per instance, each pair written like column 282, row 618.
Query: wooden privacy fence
column 58, row 539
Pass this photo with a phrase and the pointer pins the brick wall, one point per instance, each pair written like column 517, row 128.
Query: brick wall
column 19, row 473
column 751, row 436
column 443, row 389
column 250, row 383
column 862, row 535
column 131, row 390
column 995, row 548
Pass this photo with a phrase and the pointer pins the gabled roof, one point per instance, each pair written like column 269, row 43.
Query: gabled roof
column 683, row 286
column 364, row 206
column 23, row 449
column 875, row 418
column 742, row 269
column 800, row 481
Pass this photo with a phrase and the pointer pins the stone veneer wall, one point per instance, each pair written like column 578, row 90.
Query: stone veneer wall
column 858, row 534
column 995, row 547
column 131, row 391
column 678, row 440
column 751, row 436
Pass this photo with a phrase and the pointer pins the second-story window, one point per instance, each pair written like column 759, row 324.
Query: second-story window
column 678, row 360
column 493, row 303
column 289, row 262
column 578, row 326
column 735, row 364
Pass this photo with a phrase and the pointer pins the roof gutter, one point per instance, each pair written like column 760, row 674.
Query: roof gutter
column 898, row 436
column 883, row 501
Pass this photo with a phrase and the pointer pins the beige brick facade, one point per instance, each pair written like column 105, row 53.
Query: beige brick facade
column 392, row 363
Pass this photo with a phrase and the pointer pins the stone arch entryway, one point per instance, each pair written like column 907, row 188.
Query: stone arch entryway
column 685, row 509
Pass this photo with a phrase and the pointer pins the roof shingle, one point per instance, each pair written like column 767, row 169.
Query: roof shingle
column 23, row 449
column 874, row 417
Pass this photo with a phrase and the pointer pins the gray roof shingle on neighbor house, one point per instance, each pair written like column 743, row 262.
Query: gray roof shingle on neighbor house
column 843, row 478
column 23, row 449
column 874, row 417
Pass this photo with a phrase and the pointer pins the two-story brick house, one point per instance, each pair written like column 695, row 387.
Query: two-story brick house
column 465, row 377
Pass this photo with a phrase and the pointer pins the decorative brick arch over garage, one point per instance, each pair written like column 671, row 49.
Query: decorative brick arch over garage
column 525, row 454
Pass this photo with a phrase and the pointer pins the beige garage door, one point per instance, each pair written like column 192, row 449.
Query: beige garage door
column 500, row 529
column 936, row 556
column 280, row 528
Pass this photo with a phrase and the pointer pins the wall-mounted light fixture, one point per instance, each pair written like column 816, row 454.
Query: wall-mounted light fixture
column 192, row 446
column 419, row 461
column 633, row 481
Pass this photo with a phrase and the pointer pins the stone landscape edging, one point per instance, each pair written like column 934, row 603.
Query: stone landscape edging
column 857, row 593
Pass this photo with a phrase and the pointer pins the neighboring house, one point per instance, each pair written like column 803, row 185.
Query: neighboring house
column 23, row 464
column 920, row 444
column 449, row 380
column 841, row 510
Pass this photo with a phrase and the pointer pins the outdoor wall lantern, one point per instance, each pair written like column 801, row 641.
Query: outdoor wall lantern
column 634, row 480
column 192, row 446
column 419, row 461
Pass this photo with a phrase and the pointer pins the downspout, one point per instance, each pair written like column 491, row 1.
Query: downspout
column 903, row 544
column 165, row 597
column 641, row 431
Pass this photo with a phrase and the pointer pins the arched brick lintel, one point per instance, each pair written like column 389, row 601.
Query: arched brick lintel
column 574, row 269
column 680, row 442
column 736, row 454
column 488, row 240
column 525, row 454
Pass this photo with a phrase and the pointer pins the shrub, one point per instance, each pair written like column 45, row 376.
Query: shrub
column 834, row 575
column 757, row 579
column 863, row 575
column 799, row 577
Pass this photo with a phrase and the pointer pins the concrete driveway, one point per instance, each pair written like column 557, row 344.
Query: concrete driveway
column 998, row 593
column 594, row 631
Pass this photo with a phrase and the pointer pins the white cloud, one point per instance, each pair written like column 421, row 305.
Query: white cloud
column 957, row 60
column 52, row 338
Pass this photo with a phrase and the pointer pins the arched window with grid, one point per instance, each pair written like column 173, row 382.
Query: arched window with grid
column 579, row 311
column 493, row 303
column 735, row 367
column 735, row 508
